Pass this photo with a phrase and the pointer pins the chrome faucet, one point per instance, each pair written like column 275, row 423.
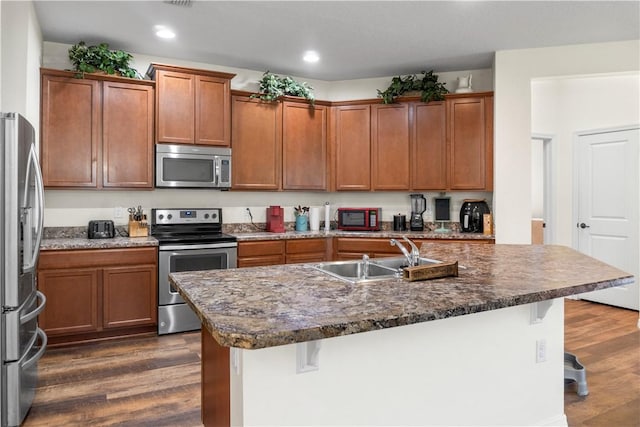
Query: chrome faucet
column 404, row 250
column 415, row 252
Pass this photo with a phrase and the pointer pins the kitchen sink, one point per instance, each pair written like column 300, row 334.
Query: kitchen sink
column 401, row 262
column 357, row 271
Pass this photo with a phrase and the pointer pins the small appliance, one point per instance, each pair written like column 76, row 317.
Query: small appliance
column 101, row 229
column 275, row 219
column 399, row 222
column 471, row 215
column 359, row 219
column 193, row 166
column 418, row 206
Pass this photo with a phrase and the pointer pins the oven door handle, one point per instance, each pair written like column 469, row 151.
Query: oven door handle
column 203, row 246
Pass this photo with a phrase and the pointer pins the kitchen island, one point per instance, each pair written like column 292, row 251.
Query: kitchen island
column 284, row 345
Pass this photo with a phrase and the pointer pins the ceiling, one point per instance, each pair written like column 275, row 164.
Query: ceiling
column 355, row 39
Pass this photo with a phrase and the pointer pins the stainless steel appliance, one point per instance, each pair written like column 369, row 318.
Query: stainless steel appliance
column 21, row 222
column 359, row 219
column 189, row 240
column 418, row 206
column 193, row 166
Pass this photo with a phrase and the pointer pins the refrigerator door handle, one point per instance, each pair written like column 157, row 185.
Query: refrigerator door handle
column 30, row 264
column 30, row 316
column 43, row 346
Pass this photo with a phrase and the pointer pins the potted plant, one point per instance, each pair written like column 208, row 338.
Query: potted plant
column 91, row 59
column 273, row 87
column 302, row 214
column 428, row 86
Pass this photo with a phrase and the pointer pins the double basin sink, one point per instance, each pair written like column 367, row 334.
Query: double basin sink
column 369, row 270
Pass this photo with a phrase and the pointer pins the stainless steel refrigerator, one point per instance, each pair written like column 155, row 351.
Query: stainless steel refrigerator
column 21, row 223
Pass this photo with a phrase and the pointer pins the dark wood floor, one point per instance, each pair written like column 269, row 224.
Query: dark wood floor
column 155, row 381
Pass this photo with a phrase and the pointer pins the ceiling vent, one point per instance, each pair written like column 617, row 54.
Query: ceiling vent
column 185, row 3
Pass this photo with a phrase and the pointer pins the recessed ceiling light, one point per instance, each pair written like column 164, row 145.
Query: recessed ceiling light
column 311, row 56
column 164, row 32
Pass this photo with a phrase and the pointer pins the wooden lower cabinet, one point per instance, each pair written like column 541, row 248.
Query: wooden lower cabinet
column 346, row 248
column 261, row 252
column 98, row 294
column 306, row 250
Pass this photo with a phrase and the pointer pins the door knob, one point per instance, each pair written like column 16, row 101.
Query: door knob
column 583, row 225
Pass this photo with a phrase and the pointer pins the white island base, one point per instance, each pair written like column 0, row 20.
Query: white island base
column 477, row 369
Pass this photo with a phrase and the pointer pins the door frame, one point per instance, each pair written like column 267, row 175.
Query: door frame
column 549, row 209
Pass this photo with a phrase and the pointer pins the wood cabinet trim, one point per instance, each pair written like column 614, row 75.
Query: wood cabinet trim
column 95, row 76
column 154, row 67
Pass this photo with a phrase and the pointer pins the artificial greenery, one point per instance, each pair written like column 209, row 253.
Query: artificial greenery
column 430, row 89
column 273, row 87
column 89, row 59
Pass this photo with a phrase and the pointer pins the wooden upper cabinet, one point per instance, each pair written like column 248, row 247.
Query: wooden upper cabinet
column 304, row 146
column 352, row 149
column 127, row 135
column 97, row 132
column 470, row 141
column 256, row 140
column 390, row 147
column 70, row 129
column 429, row 147
column 192, row 106
column 175, row 111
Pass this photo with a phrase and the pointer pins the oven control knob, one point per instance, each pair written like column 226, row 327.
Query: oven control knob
column 160, row 216
column 206, row 216
column 169, row 216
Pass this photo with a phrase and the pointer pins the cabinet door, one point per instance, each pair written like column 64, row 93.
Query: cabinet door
column 305, row 250
column 429, row 147
column 70, row 131
column 127, row 141
column 72, row 301
column 175, row 104
column 257, row 253
column 304, row 147
column 257, row 144
column 390, row 147
column 353, row 147
column 468, row 145
column 130, row 296
column 213, row 110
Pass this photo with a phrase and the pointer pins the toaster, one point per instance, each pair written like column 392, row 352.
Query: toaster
column 101, row 229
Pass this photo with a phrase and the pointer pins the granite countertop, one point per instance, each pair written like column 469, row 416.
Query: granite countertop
column 263, row 235
column 73, row 243
column 268, row 306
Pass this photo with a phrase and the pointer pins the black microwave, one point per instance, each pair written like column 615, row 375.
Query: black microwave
column 193, row 166
column 359, row 219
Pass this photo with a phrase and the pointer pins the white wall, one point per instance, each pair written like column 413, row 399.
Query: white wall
column 77, row 207
column 564, row 106
column 513, row 72
column 21, row 47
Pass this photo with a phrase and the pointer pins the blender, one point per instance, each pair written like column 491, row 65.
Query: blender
column 418, row 206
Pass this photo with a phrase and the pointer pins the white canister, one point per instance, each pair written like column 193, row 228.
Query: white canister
column 314, row 218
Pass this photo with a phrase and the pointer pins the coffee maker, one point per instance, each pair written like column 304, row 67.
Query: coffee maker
column 418, row 206
column 471, row 215
column 275, row 219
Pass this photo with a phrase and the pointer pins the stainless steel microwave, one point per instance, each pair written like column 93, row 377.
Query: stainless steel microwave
column 193, row 166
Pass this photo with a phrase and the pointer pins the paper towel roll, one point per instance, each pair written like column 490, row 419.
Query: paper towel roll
column 327, row 216
column 314, row 218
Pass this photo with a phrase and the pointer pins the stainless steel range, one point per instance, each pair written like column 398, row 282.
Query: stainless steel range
column 189, row 240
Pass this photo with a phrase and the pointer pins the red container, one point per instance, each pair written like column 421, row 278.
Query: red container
column 275, row 219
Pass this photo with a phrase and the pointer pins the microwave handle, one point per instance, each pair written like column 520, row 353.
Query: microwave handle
column 216, row 170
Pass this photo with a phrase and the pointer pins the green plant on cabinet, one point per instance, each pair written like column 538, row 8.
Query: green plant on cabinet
column 90, row 59
column 429, row 87
column 273, row 87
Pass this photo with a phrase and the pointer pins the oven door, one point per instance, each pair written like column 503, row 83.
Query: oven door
column 191, row 258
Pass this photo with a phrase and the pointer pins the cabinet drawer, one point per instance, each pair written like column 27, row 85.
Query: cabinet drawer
column 259, row 248
column 306, row 257
column 364, row 245
column 258, row 261
column 299, row 246
column 97, row 257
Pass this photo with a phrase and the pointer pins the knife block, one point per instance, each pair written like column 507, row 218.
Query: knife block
column 138, row 228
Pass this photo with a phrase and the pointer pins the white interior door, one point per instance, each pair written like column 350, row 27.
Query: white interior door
column 607, row 207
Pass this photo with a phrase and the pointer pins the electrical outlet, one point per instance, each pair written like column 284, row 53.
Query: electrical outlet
column 118, row 212
column 541, row 350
